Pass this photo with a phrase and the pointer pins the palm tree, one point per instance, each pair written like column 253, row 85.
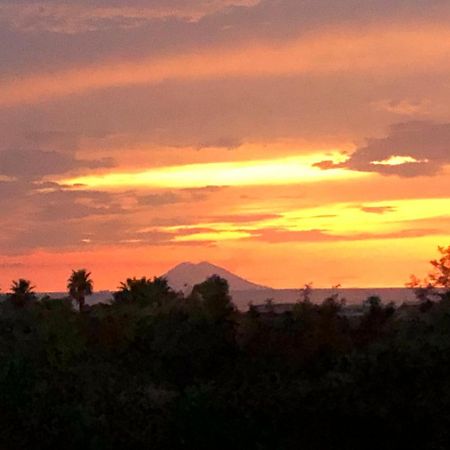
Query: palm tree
column 79, row 285
column 21, row 293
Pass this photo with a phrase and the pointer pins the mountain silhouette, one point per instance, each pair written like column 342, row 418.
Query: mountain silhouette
column 185, row 275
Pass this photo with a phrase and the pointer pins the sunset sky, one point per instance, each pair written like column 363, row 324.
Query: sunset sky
column 288, row 141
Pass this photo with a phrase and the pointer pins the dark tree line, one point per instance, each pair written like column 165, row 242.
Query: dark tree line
column 156, row 369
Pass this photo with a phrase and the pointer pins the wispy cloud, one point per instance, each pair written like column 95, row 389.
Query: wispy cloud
column 336, row 51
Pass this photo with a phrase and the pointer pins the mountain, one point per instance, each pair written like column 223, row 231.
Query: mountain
column 185, row 275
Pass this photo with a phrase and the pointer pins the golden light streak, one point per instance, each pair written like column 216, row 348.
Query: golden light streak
column 283, row 171
column 348, row 218
column 397, row 160
column 341, row 219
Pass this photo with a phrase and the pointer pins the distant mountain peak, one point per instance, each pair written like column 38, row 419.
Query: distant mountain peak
column 187, row 274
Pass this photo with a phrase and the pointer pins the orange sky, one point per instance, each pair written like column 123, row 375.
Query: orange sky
column 287, row 141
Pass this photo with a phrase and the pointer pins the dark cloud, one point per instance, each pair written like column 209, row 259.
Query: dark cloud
column 190, row 231
column 53, row 140
column 27, row 40
column 410, row 149
column 242, row 218
column 170, row 221
column 45, row 215
column 161, row 199
column 178, row 113
column 228, row 143
column 35, row 164
column 76, row 17
column 87, row 32
column 62, row 205
column 11, row 189
column 59, row 141
column 59, row 234
column 202, row 193
column 181, row 196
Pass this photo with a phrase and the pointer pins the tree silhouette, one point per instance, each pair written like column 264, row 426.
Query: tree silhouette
column 21, row 293
column 143, row 291
column 214, row 295
column 306, row 292
column 80, row 285
column 168, row 371
column 440, row 276
column 437, row 283
column 373, row 303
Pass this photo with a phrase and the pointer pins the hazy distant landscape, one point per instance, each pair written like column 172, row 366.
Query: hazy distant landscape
column 242, row 298
column 185, row 276
column 352, row 296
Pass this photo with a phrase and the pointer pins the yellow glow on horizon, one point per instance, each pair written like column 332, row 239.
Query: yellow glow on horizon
column 282, row 171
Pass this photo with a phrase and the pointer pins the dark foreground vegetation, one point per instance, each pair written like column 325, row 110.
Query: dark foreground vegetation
column 156, row 370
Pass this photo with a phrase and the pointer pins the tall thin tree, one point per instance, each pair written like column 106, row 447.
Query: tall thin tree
column 80, row 285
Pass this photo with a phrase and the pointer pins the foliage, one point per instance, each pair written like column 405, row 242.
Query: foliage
column 158, row 370
column 437, row 283
column 214, row 295
column 80, row 285
column 21, row 293
column 143, row 291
